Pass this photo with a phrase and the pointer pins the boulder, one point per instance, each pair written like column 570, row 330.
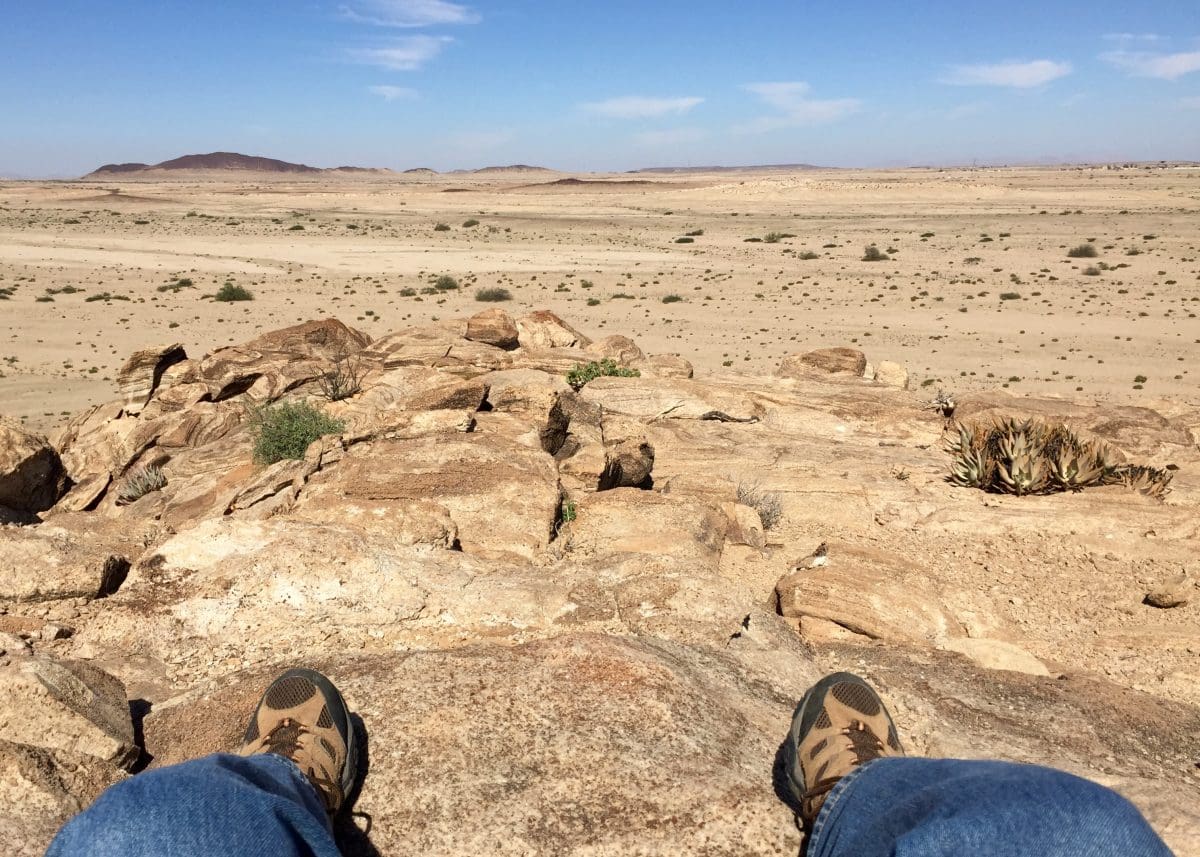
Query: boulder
column 834, row 361
column 892, row 375
column 32, row 477
column 627, row 464
column 997, row 655
column 49, row 563
column 745, row 527
column 621, row 349
column 664, row 366
column 543, row 329
column 493, row 327
column 65, row 705
column 139, row 377
column 1175, row 591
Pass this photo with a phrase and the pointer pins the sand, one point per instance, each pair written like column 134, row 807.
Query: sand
column 605, row 255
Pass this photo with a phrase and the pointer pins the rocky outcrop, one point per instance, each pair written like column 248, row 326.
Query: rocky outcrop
column 575, row 591
column 31, row 474
column 140, row 375
column 848, row 361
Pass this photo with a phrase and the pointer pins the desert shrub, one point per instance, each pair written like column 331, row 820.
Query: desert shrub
column 1083, row 251
column 445, row 283
column 593, row 301
column 768, row 504
column 584, row 372
column 874, row 254
column 139, row 483
column 343, row 380
column 1091, row 271
column 286, row 430
column 232, row 292
column 1010, row 296
column 809, row 254
column 1034, row 457
column 776, row 237
column 407, row 292
column 296, row 227
column 442, row 227
column 685, row 240
column 671, row 299
column 467, row 224
column 695, row 233
column 493, row 295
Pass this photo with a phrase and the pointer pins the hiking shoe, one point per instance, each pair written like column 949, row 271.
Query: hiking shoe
column 302, row 717
column 840, row 723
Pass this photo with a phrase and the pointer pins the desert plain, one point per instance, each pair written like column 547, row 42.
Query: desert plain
column 732, row 270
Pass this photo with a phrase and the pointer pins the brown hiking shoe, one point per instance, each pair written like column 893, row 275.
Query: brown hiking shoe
column 303, row 718
column 840, row 723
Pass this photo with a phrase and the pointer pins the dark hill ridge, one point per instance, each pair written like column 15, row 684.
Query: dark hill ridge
column 221, row 161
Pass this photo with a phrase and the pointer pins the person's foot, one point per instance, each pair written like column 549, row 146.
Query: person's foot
column 840, row 723
column 303, row 717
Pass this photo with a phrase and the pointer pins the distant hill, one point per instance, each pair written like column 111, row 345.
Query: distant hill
column 512, row 168
column 751, row 168
column 222, row 162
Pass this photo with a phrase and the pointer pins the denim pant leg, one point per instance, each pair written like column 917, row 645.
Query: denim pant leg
column 259, row 806
column 933, row 807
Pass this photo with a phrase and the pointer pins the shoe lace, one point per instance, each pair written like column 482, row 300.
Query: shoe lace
column 284, row 740
column 863, row 743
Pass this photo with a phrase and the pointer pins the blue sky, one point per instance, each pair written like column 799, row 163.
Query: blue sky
column 609, row 85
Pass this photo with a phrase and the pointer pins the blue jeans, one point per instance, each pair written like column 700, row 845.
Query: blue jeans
column 262, row 805
column 948, row 807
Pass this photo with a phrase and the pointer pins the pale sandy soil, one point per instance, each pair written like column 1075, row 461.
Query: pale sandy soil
column 935, row 306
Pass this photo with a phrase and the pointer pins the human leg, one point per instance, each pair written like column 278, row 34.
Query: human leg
column 221, row 804
column 276, row 796
column 858, row 795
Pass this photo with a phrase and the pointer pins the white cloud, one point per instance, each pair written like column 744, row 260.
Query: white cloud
column 409, row 13
column 668, row 137
column 1021, row 75
column 1132, row 37
column 406, row 54
column 1147, row 64
column 392, row 93
column 795, row 108
column 640, row 107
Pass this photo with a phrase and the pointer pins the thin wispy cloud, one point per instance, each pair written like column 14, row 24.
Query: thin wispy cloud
column 1132, row 37
column 405, row 54
column 1150, row 64
column 794, row 107
column 1015, row 74
column 409, row 13
column 392, row 93
column 640, row 107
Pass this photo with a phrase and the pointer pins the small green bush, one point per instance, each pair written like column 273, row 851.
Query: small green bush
column 467, row 224
column 671, row 299
column 1083, row 251
column 584, row 372
column 285, row 431
column 445, row 283
column 140, row 483
column 232, row 292
column 493, row 295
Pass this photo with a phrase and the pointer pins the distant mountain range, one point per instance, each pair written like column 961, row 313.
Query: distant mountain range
column 235, row 162
column 753, row 168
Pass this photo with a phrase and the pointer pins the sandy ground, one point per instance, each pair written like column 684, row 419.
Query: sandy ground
column 978, row 291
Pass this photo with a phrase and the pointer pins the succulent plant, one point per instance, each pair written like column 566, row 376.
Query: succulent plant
column 1024, row 457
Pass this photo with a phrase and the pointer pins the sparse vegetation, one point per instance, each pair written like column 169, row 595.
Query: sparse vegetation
column 232, row 292
column 343, row 380
column 606, row 368
column 467, row 224
column 671, row 299
column 442, row 227
column 493, row 294
column 684, row 240
column 1034, row 457
column 768, row 504
column 139, row 483
column 445, row 283
column 874, row 254
column 1083, row 251
column 285, row 431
